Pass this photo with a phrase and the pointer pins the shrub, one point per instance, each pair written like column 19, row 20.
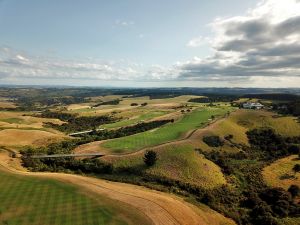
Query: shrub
column 228, row 137
column 150, row 158
column 213, row 141
column 294, row 190
column 294, row 149
column 296, row 168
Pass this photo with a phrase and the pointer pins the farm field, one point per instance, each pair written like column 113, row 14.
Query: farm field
column 193, row 120
column 28, row 200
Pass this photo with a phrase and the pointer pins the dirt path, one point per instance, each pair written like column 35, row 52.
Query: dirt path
column 161, row 208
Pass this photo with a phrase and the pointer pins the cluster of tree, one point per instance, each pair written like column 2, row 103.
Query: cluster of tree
column 70, row 164
column 270, row 144
column 252, row 202
column 214, row 98
column 289, row 108
column 57, row 115
column 274, row 96
column 111, row 102
column 75, row 123
column 213, row 141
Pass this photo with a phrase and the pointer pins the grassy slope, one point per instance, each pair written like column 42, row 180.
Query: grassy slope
column 178, row 162
column 242, row 120
column 280, row 173
column 166, row 133
column 26, row 200
column 184, row 163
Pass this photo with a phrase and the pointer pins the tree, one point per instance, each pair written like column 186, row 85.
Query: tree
column 296, row 168
column 294, row 190
column 150, row 158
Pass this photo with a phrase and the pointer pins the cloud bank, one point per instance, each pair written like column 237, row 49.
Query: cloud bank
column 263, row 43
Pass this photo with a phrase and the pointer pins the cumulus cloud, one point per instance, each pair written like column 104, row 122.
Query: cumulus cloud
column 263, row 43
column 198, row 41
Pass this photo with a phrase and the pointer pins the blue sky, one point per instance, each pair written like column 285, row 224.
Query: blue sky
column 142, row 43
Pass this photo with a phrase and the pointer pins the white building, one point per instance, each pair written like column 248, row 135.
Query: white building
column 252, row 105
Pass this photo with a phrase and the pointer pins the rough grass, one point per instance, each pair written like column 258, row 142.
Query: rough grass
column 26, row 200
column 284, row 125
column 177, row 162
column 169, row 132
column 280, row 173
column 185, row 164
column 289, row 221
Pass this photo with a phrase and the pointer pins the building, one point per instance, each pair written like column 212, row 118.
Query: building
column 252, row 105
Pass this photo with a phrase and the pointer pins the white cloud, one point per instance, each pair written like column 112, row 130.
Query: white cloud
column 124, row 23
column 198, row 41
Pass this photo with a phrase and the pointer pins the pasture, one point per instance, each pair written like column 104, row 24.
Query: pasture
column 193, row 120
column 27, row 200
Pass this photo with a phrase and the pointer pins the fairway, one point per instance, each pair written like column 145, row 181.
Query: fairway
column 193, row 120
column 27, row 200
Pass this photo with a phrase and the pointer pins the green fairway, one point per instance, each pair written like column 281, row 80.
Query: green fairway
column 145, row 116
column 28, row 200
column 169, row 132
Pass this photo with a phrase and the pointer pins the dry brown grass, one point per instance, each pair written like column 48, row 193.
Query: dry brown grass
column 6, row 104
column 17, row 137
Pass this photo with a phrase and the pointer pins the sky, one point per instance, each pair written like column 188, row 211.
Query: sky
column 140, row 43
